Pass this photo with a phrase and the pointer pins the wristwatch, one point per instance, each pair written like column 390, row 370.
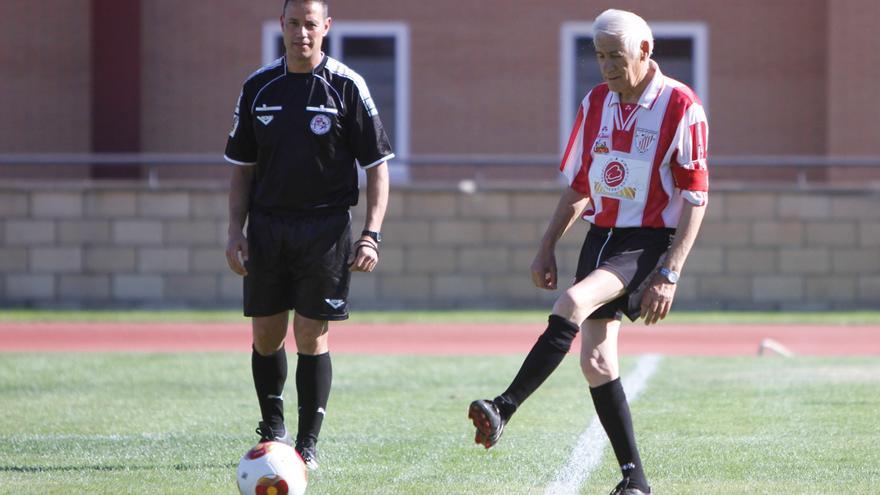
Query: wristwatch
column 670, row 275
column 376, row 236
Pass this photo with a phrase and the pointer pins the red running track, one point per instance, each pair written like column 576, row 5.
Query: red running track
column 438, row 339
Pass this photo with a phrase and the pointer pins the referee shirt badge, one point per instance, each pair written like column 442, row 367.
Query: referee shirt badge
column 320, row 124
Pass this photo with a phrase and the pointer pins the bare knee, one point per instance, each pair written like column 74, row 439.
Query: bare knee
column 269, row 333
column 567, row 307
column 310, row 335
column 597, row 369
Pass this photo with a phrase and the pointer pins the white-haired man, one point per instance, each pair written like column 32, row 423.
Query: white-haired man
column 636, row 169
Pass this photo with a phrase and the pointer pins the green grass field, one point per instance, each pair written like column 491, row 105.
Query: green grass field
column 177, row 424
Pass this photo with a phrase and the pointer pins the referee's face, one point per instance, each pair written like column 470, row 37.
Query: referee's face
column 304, row 26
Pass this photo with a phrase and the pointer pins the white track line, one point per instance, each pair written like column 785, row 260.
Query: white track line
column 588, row 452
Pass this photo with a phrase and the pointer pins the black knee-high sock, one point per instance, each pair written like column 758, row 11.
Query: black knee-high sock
column 270, row 373
column 314, row 375
column 542, row 360
column 613, row 412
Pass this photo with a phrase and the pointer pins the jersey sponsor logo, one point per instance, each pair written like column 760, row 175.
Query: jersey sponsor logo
column 621, row 178
column 604, row 133
column 335, row 303
column 320, row 124
column 644, row 138
column 615, row 174
column 601, row 146
column 265, row 119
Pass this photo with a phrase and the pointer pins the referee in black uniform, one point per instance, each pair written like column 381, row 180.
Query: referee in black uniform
column 300, row 126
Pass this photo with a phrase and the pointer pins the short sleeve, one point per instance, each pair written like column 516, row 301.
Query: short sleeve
column 369, row 140
column 572, row 159
column 241, row 146
column 576, row 160
column 690, row 159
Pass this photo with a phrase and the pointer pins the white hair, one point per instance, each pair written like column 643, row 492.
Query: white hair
column 627, row 27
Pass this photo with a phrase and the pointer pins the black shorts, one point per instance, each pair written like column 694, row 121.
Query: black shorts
column 299, row 263
column 630, row 253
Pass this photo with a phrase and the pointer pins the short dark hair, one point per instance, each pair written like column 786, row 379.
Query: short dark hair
column 325, row 3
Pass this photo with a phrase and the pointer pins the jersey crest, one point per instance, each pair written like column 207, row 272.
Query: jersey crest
column 320, row 124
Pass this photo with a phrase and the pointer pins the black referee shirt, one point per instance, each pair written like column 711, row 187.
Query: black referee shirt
column 304, row 132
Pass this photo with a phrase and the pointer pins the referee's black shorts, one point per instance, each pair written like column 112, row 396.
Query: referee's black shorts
column 630, row 253
column 298, row 262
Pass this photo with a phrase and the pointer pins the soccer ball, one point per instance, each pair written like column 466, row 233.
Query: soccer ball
column 271, row 468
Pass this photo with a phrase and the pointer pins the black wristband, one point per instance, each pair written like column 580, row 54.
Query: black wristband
column 376, row 236
column 362, row 243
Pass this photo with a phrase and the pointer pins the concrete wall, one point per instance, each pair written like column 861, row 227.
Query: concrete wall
column 133, row 246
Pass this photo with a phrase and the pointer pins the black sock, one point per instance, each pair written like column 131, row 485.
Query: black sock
column 314, row 375
column 270, row 373
column 613, row 412
column 542, row 360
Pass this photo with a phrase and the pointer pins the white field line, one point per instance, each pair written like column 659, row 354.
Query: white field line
column 587, row 452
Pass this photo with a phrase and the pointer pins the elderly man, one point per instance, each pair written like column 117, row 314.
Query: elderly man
column 636, row 169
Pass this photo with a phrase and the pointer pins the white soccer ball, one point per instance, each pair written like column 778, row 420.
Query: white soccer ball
column 271, row 468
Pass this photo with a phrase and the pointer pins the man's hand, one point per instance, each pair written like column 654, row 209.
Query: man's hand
column 364, row 255
column 657, row 299
column 237, row 253
column 544, row 270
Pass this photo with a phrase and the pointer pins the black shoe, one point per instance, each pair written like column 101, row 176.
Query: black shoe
column 267, row 434
column 623, row 488
column 306, row 450
column 488, row 420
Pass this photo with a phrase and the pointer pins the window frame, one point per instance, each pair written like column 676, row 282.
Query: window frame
column 698, row 32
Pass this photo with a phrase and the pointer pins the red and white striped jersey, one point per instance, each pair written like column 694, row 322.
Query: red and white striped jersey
column 639, row 167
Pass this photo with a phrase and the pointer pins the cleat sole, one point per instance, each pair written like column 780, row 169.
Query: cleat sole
column 483, row 425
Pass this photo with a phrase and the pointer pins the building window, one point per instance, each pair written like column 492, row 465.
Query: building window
column 378, row 51
column 681, row 50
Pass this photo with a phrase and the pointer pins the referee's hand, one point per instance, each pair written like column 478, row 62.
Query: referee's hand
column 364, row 255
column 237, row 253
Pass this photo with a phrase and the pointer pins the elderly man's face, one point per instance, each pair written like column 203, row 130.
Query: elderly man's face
column 620, row 70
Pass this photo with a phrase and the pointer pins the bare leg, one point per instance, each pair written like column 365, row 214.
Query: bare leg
column 599, row 363
column 572, row 308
